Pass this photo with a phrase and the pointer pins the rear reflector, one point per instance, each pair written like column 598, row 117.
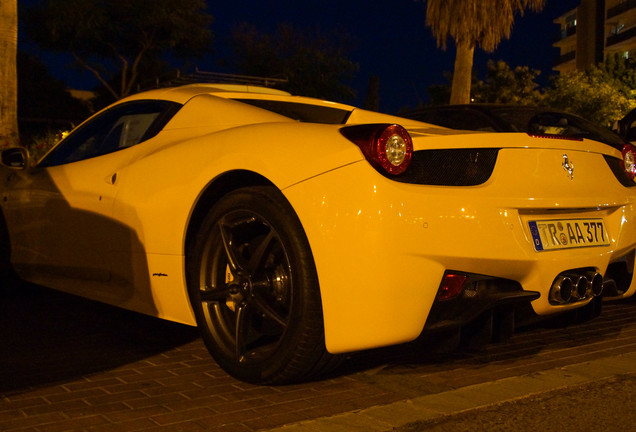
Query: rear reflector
column 451, row 286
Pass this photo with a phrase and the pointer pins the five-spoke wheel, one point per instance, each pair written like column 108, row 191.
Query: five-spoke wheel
column 254, row 289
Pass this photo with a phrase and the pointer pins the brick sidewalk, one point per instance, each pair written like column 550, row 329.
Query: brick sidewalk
column 71, row 364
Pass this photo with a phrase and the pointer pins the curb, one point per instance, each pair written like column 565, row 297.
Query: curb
column 436, row 406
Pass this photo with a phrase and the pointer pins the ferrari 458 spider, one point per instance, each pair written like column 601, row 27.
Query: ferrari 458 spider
column 292, row 230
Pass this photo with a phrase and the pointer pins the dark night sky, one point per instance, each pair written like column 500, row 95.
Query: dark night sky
column 392, row 42
column 395, row 44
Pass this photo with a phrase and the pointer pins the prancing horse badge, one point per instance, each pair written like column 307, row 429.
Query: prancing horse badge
column 568, row 166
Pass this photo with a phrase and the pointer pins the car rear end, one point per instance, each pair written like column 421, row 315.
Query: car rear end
column 475, row 228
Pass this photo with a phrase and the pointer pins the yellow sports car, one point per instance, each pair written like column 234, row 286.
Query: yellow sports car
column 292, row 230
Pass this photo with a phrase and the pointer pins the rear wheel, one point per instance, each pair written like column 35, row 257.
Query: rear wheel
column 254, row 289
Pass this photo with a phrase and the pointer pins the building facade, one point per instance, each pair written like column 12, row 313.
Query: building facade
column 594, row 30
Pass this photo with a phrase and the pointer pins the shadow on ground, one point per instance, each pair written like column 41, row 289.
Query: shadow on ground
column 566, row 333
column 48, row 336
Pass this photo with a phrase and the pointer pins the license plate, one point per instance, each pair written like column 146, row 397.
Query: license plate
column 568, row 233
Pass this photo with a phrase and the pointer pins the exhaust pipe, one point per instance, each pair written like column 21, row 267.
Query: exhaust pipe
column 573, row 286
column 580, row 285
column 595, row 283
column 561, row 291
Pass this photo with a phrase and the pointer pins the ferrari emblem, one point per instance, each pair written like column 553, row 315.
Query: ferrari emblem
column 568, row 166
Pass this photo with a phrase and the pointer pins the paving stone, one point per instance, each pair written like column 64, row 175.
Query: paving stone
column 181, row 416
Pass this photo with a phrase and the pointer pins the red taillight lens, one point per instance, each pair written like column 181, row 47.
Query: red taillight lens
column 451, row 286
column 629, row 160
column 388, row 147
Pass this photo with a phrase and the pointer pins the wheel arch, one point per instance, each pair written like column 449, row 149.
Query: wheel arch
column 216, row 189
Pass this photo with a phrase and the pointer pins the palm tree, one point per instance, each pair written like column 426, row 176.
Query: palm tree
column 8, row 73
column 470, row 23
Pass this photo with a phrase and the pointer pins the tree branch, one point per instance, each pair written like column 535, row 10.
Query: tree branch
column 123, row 80
column 135, row 68
column 95, row 72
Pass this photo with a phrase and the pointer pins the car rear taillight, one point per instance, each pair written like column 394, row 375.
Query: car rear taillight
column 629, row 160
column 388, row 147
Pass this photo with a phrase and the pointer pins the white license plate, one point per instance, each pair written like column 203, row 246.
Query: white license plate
column 568, row 233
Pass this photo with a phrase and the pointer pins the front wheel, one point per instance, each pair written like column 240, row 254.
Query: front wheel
column 254, row 289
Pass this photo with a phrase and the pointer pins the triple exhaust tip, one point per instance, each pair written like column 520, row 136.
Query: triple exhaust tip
column 570, row 287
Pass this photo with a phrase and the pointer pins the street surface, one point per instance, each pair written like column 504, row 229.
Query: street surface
column 606, row 405
column 68, row 364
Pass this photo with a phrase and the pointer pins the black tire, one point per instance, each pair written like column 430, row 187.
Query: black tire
column 254, row 290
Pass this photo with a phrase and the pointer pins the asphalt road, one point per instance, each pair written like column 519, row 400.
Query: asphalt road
column 605, row 405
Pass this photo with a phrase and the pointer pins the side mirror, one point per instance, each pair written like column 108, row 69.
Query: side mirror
column 16, row 158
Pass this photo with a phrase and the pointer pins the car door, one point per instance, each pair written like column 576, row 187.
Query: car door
column 59, row 213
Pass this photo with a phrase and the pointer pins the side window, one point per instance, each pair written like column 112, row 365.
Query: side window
column 118, row 128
